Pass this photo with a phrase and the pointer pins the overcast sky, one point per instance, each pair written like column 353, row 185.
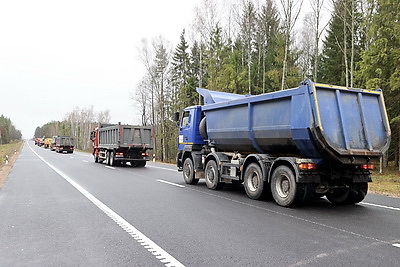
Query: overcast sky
column 55, row 55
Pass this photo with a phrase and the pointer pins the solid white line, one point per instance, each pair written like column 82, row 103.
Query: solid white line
column 396, row 245
column 112, row 168
column 166, row 182
column 380, row 206
column 143, row 240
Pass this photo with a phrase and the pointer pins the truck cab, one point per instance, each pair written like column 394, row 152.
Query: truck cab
column 189, row 133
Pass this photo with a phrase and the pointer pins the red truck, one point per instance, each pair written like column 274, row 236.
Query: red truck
column 117, row 144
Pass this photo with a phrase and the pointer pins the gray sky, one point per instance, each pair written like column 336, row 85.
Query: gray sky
column 55, row 55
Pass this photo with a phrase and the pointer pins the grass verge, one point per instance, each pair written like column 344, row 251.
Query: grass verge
column 387, row 183
column 12, row 150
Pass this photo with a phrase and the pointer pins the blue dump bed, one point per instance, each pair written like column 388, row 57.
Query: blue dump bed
column 313, row 120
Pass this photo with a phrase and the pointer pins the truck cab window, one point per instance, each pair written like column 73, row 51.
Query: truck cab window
column 185, row 119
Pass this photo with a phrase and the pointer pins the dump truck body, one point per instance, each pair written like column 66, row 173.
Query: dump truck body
column 313, row 120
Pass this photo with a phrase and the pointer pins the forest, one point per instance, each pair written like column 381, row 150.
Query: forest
column 8, row 132
column 254, row 47
column 260, row 47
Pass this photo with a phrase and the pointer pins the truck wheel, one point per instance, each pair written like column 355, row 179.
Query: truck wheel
column 112, row 159
column 140, row 163
column 357, row 193
column 285, row 191
column 108, row 158
column 188, row 172
column 212, row 175
column 253, row 181
column 338, row 196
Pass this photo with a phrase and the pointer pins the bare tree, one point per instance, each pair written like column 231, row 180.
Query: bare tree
column 290, row 12
column 316, row 6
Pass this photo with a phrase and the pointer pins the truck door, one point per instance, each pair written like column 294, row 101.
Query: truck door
column 184, row 130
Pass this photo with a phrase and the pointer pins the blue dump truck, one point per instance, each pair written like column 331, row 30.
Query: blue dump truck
column 294, row 145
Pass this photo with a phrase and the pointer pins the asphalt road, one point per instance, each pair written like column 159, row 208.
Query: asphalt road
column 66, row 210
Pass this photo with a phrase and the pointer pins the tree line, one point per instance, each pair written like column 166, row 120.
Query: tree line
column 258, row 47
column 79, row 123
column 8, row 132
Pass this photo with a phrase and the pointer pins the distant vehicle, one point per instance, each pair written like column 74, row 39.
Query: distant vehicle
column 118, row 144
column 53, row 143
column 63, row 144
column 47, row 142
column 41, row 141
column 297, row 144
column 37, row 140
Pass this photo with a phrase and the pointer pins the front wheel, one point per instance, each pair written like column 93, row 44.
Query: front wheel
column 212, row 175
column 285, row 191
column 253, row 181
column 188, row 172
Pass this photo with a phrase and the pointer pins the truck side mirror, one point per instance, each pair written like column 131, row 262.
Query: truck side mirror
column 176, row 116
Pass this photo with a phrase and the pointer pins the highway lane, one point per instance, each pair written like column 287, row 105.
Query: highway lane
column 47, row 221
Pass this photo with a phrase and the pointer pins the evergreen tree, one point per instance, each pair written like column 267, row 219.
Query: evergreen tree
column 380, row 65
column 215, row 54
column 343, row 44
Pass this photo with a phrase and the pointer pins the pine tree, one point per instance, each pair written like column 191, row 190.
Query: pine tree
column 342, row 46
column 183, row 95
column 380, row 65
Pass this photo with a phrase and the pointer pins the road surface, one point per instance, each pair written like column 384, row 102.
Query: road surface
column 66, row 210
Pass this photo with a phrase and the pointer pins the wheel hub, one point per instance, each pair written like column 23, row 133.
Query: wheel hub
column 283, row 186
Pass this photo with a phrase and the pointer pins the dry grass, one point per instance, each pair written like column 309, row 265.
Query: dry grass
column 8, row 149
column 387, row 183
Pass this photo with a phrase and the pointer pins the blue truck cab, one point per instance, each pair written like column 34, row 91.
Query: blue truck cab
column 189, row 133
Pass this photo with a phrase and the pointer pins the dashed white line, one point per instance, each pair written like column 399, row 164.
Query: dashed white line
column 112, row 168
column 143, row 240
column 380, row 206
column 166, row 182
column 85, row 161
column 161, row 168
column 396, row 245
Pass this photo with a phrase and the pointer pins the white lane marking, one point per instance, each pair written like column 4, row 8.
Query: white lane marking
column 396, row 245
column 143, row 240
column 161, row 168
column 166, row 182
column 380, row 206
column 85, row 161
column 71, row 157
column 112, row 168
column 292, row 216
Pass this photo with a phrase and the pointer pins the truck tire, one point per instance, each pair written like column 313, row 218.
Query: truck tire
column 112, row 159
column 108, row 158
column 285, row 191
column 253, row 181
column 352, row 195
column 188, row 172
column 140, row 163
column 338, row 196
column 212, row 175
column 357, row 193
